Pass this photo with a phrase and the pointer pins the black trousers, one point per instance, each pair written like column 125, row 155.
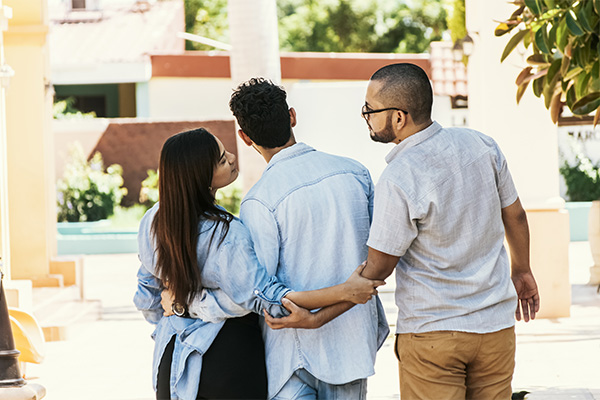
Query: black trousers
column 232, row 368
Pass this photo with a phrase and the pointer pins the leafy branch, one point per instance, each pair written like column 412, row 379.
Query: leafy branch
column 564, row 67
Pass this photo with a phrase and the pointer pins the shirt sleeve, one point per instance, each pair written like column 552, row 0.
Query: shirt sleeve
column 246, row 281
column 147, row 295
column 394, row 225
column 506, row 187
column 213, row 305
column 264, row 231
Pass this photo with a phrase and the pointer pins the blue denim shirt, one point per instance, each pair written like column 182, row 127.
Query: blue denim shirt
column 230, row 270
column 309, row 218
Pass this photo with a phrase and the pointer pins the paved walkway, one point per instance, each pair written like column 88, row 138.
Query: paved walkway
column 110, row 358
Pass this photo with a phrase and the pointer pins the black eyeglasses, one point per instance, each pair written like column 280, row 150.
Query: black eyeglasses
column 366, row 112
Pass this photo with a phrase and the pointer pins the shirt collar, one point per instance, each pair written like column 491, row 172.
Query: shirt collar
column 413, row 140
column 294, row 150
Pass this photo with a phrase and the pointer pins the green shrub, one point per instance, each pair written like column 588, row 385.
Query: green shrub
column 582, row 179
column 86, row 192
column 149, row 191
column 65, row 109
column 230, row 197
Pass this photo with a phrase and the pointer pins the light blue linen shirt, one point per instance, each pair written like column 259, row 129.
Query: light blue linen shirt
column 231, row 273
column 309, row 218
column 438, row 205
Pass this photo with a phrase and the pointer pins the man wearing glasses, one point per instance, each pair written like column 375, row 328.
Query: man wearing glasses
column 443, row 206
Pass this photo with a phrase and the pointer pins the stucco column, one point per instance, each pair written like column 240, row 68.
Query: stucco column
column 255, row 52
column 31, row 181
column 529, row 140
column 6, row 73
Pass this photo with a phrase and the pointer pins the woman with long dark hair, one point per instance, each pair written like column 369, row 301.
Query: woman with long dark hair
column 191, row 245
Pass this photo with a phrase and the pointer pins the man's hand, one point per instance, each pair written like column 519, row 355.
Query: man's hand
column 359, row 289
column 529, row 298
column 167, row 302
column 299, row 317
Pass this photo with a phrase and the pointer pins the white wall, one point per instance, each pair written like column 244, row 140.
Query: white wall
column 329, row 119
column 170, row 98
column 328, row 113
column 524, row 132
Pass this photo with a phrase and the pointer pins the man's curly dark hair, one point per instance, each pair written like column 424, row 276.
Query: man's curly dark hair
column 262, row 112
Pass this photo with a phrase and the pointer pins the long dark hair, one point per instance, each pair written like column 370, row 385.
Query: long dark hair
column 186, row 166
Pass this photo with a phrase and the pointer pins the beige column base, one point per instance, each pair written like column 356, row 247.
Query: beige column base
column 549, row 232
column 31, row 391
column 595, row 275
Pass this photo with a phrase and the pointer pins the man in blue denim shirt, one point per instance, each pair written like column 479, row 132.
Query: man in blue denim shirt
column 309, row 218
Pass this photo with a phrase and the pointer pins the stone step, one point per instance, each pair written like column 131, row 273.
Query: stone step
column 58, row 308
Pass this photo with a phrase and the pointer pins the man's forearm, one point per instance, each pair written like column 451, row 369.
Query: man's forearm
column 379, row 265
column 517, row 236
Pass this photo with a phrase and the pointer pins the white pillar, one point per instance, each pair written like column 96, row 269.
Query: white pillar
column 5, row 73
column 254, row 53
column 254, row 40
column 529, row 140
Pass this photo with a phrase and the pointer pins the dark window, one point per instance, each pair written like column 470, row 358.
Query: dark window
column 78, row 4
column 87, row 104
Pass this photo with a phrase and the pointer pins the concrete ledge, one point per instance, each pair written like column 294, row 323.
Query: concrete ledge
column 70, row 268
column 19, row 294
column 31, row 391
column 54, row 333
column 50, row 280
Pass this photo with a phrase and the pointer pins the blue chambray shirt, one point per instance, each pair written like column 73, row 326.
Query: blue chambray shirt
column 438, row 205
column 230, row 269
column 309, row 217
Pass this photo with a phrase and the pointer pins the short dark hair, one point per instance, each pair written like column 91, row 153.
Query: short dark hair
column 406, row 86
column 262, row 112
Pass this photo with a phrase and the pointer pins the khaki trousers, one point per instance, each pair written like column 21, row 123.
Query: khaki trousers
column 456, row 365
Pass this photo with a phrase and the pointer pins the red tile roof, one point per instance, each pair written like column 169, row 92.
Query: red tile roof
column 449, row 77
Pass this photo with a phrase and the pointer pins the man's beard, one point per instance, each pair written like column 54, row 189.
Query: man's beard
column 385, row 135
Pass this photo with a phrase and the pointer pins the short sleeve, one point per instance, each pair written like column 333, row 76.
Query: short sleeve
column 506, row 187
column 394, row 225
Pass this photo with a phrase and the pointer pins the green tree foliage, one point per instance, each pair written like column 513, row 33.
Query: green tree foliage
column 368, row 26
column 456, row 20
column 335, row 25
column 564, row 38
column 206, row 18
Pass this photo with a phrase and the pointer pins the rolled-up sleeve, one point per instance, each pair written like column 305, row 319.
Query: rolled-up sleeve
column 213, row 305
column 147, row 295
column 246, row 281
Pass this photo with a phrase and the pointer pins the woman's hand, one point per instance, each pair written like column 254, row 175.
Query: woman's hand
column 299, row 317
column 358, row 289
column 166, row 301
